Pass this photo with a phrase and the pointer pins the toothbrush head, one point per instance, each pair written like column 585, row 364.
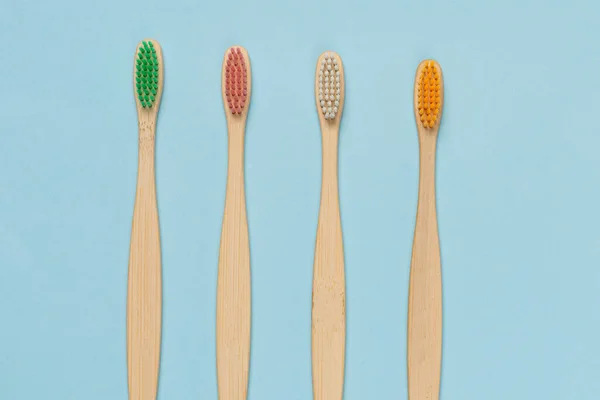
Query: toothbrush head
column 330, row 86
column 148, row 74
column 429, row 94
column 236, row 80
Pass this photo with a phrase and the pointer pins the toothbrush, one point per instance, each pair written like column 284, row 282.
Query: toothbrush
column 233, row 288
column 329, row 291
column 144, row 293
column 425, row 291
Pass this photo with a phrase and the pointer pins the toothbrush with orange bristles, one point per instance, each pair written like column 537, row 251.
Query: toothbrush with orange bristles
column 329, row 287
column 424, row 339
column 233, row 287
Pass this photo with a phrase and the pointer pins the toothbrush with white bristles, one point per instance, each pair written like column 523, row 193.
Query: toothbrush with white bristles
column 329, row 287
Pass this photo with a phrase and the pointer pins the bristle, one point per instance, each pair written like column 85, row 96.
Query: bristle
column 429, row 94
column 146, row 74
column 236, row 81
column 329, row 85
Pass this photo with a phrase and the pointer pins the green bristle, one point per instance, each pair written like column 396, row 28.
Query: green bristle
column 146, row 75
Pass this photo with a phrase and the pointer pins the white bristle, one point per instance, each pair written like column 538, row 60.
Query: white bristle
column 329, row 85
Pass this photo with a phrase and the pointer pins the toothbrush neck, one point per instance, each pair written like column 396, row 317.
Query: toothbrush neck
column 427, row 144
column 146, row 140
column 330, row 140
column 236, row 150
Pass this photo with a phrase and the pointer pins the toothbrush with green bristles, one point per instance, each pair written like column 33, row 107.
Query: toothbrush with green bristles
column 144, row 291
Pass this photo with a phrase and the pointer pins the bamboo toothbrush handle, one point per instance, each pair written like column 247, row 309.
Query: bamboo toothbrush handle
column 144, row 294
column 425, row 290
column 329, row 292
column 233, row 288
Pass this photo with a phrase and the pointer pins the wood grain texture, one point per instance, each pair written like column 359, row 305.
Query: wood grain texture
column 329, row 287
column 144, row 292
column 233, row 288
column 425, row 291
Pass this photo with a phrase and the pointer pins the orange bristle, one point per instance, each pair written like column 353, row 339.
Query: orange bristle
column 429, row 94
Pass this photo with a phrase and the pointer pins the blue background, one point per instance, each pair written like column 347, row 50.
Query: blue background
column 518, row 172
